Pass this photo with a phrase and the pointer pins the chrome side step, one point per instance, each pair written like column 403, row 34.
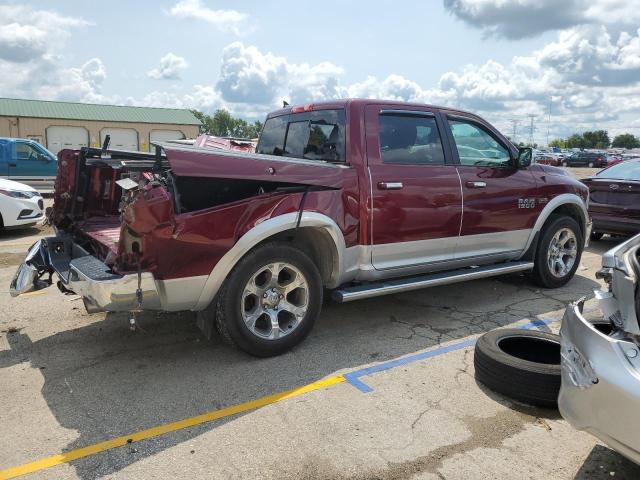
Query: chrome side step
column 388, row 287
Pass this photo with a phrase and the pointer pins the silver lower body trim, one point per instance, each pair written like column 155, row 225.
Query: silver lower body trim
column 444, row 278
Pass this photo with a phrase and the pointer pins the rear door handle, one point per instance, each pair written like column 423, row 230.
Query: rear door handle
column 390, row 185
column 476, row 184
column 13, row 164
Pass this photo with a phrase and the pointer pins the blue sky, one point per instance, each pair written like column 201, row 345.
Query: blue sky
column 502, row 58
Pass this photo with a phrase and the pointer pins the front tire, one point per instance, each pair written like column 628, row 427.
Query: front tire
column 270, row 301
column 559, row 252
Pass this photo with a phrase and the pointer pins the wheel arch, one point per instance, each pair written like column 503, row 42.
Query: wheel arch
column 316, row 234
column 567, row 204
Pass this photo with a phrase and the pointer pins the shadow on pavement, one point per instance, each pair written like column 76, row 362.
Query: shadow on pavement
column 103, row 381
column 604, row 463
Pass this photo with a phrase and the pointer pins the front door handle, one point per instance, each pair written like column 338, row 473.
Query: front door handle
column 390, row 185
column 476, row 184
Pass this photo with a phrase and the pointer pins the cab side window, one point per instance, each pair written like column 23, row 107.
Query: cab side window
column 410, row 140
column 477, row 147
column 25, row 151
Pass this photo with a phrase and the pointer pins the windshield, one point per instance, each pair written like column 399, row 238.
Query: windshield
column 622, row 171
column 316, row 135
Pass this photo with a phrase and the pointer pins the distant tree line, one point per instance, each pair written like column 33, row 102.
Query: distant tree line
column 597, row 139
column 223, row 124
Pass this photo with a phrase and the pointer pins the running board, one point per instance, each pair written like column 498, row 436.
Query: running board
column 388, row 287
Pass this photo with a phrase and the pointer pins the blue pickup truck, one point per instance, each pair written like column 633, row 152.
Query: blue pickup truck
column 26, row 161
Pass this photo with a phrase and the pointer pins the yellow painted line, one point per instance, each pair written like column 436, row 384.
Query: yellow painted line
column 32, row 294
column 72, row 455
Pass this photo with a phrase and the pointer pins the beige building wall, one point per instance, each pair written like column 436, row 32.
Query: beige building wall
column 24, row 127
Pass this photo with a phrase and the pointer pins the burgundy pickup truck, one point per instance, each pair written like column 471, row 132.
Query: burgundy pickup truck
column 357, row 197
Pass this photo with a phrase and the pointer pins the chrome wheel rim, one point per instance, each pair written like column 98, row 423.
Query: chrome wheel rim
column 562, row 253
column 275, row 300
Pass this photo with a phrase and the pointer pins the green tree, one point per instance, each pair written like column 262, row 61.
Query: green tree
column 596, row 139
column 223, row 124
column 626, row 140
column 558, row 142
column 575, row 141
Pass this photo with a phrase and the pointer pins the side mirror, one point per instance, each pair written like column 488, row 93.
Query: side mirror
column 525, row 154
column 44, row 158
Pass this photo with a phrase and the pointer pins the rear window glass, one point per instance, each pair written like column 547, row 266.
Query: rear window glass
column 410, row 140
column 622, row 171
column 318, row 135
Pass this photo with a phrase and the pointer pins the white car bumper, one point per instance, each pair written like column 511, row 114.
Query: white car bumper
column 17, row 212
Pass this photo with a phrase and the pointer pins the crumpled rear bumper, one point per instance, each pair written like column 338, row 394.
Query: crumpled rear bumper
column 600, row 390
column 85, row 275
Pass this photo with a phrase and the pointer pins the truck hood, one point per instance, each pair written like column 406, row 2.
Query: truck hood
column 193, row 161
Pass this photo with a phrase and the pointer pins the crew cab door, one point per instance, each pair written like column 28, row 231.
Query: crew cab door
column 415, row 189
column 500, row 200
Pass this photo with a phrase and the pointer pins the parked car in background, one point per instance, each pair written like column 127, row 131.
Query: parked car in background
column 585, row 159
column 614, row 199
column 27, row 161
column 545, row 158
column 20, row 204
column 361, row 197
column 600, row 362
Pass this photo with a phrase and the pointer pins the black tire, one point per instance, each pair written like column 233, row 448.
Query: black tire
column 542, row 274
column 595, row 236
column 229, row 321
column 532, row 377
column 565, row 164
column 591, row 165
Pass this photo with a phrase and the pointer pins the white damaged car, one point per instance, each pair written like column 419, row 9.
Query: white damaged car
column 20, row 204
column 600, row 363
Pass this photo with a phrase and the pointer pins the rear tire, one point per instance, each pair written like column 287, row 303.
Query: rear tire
column 591, row 165
column 558, row 254
column 260, row 309
column 565, row 164
column 520, row 364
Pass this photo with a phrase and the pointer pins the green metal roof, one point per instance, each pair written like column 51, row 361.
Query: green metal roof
column 13, row 107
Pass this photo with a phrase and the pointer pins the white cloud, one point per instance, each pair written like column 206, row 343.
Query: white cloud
column 170, row 68
column 224, row 20
column 524, row 18
column 249, row 76
column 27, row 34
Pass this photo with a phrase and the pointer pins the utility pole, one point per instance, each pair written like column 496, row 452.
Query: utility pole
column 531, row 128
column 549, row 121
column 515, row 123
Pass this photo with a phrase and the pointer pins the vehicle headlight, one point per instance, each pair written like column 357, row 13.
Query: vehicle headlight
column 19, row 193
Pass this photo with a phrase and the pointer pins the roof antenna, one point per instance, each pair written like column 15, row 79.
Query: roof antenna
column 285, row 104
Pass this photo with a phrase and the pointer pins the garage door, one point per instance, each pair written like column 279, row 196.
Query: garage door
column 121, row 138
column 165, row 135
column 60, row 137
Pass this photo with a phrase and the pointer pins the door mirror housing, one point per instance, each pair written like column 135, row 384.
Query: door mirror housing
column 525, row 154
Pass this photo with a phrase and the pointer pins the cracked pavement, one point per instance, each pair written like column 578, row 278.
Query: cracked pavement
column 70, row 379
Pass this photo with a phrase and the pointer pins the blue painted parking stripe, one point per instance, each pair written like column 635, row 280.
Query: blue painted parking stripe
column 353, row 378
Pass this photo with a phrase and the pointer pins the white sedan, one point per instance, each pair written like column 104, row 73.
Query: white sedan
column 20, row 204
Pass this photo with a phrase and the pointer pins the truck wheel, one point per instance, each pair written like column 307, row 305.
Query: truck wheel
column 520, row 364
column 270, row 300
column 559, row 252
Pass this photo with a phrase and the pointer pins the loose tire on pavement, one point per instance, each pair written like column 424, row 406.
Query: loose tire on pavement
column 520, row 364
column 270, row 300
